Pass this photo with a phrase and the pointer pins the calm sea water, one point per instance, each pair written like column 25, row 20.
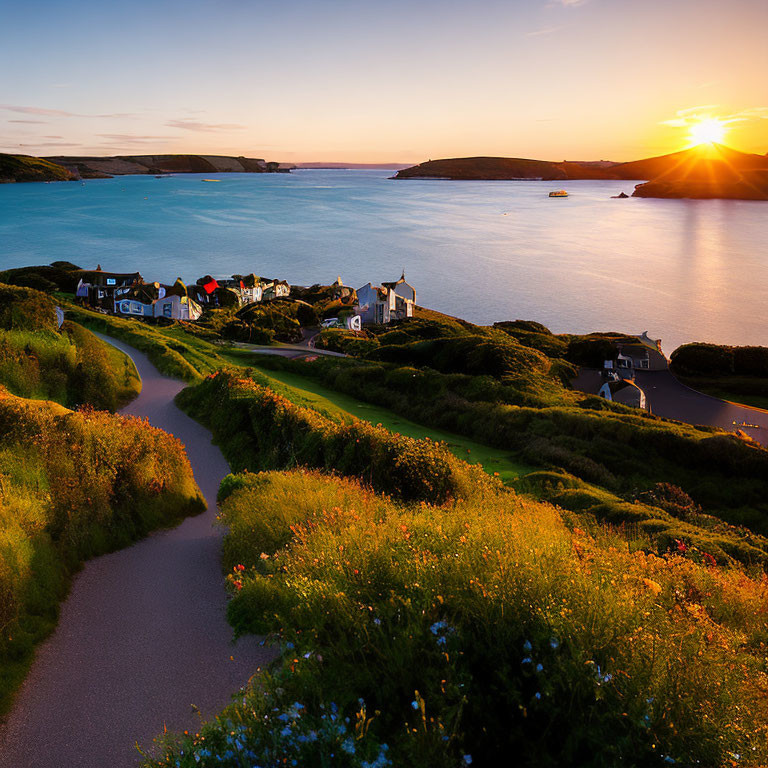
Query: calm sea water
column 485, row 251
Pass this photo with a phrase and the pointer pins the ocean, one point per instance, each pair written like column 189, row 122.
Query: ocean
column 683, row 270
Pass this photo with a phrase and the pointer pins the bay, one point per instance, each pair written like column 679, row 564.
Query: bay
column 684, row 270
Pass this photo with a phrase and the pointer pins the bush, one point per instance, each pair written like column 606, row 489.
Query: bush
column 259, row 429
column 706, row 359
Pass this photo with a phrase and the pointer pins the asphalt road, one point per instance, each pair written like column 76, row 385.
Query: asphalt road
column 673, row 400
column 142, row 636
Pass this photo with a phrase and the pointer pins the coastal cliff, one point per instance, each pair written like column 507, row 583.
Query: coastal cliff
column 121, row 165
column 19, row 168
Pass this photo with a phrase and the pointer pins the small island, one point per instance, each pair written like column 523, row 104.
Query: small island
column 708, row 170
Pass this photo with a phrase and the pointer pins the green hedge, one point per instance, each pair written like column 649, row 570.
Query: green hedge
column 258, row 429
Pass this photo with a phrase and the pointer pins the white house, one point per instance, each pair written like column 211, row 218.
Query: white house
column 173, row 307
column 390, row 301
column 625, row 392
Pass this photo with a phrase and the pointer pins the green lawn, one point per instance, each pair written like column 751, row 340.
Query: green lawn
column 336, row 404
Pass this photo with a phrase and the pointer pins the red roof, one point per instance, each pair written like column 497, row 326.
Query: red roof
column 210, row 286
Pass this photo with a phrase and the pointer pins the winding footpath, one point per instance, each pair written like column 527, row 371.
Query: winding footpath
column 142, row 638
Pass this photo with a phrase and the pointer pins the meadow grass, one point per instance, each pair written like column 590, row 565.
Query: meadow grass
column 475, row 630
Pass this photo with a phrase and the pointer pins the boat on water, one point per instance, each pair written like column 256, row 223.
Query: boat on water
column 210, row 179
column 559, row 193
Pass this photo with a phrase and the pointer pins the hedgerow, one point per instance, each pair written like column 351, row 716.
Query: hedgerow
column 259, row 429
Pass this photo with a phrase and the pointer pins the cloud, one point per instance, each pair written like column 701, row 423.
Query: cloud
column 540, row 32
column 192, row 125
column 36, row 111
column 49, row 144
column 42, row 111
column 130, row 139
column 29, row 122
column 570, row 3
column 686, row 117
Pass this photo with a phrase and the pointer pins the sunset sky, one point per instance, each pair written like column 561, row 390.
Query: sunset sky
column 362, row 81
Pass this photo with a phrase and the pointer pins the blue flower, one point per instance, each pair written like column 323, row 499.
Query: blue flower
column 467, row 759
column 348, row 745
column 539, row 667
column 527, row 645
column 554, row 643
column 527, row 660
column 415, row 704
column 377, row 621
column 437, row 626
column 537, row 695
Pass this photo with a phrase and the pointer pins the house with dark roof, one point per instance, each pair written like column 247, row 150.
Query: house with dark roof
column 644, row 354
column 97, row 288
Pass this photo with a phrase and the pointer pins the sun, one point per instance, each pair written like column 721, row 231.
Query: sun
column 709, row 130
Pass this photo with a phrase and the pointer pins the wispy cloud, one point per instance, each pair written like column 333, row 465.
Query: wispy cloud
column 687, row 117
column 570, row 3
column 128, row 138
column 540, row 32
column 29, row 122
column 44, row 112
column 36, row 111
column 193, row 125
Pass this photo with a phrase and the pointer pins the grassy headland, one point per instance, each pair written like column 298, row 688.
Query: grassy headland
column 27, row 168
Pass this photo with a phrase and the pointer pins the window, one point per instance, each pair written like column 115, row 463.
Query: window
column 168, row 309
column 111, row 281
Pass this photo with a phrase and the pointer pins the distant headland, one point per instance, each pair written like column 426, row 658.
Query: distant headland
column 706, row 171
column 63, row 168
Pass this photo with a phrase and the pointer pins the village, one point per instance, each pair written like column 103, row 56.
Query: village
column 127, row 294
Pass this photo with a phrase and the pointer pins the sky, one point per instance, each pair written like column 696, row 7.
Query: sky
column 371, row 81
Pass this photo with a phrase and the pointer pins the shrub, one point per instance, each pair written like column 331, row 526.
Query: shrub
column 259, row 429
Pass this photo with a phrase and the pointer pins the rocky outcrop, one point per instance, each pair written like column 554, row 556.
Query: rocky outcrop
column 120, row 165
column 25, row 168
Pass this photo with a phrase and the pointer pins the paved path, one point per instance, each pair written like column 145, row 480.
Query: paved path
column 142, row 635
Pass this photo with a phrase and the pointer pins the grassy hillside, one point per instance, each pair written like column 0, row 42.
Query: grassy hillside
column 501, row 168
column 464, row 633
column 73, row 485
column 26, row 168
column 69, row 365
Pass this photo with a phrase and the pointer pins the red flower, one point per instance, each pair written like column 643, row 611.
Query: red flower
column 238, row 584
column 708, row 559
column 239, row 567
column 681, row 546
